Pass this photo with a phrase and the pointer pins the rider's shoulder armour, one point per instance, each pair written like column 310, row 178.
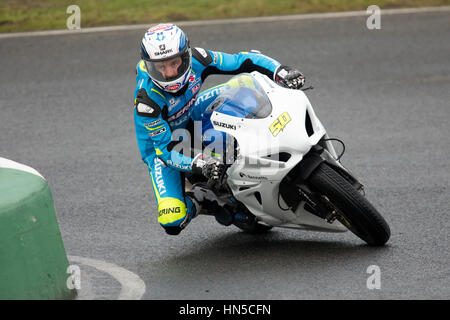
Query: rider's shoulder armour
column 145, row 106
column 202, row 56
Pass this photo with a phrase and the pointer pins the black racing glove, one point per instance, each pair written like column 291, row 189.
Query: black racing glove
column 289, row 77
column 211, row 168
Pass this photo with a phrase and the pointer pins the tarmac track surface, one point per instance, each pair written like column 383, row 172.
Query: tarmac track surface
column 65, row 109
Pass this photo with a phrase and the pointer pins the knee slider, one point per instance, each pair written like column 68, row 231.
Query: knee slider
column 172, row 213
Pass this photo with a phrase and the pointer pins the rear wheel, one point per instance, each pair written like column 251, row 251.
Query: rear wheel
column 353, row 209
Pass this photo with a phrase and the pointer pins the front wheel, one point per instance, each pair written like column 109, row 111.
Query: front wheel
column 353, row 209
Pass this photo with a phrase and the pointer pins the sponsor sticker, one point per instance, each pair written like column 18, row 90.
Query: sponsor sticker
column 243, row 175
column 159, row 178
column 169, row 211
column 179, row 166
column 163, row 52
column 210, row 94
column 183, row 110
column 157, row 132
column 224, row 125
column 278, row 125
column 163, row 27
column 173, row 87
column 179, row 121
column 196, row 88
column 193, row 82
column 160, row 36
column 151, row 124
column 173, row 103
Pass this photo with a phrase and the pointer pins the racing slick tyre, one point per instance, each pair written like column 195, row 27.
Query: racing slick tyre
column 354, row 210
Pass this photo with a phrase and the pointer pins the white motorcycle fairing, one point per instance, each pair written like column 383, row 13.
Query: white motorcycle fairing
column 268, row 149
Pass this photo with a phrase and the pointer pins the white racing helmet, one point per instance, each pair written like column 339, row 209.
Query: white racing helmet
column 161, row 43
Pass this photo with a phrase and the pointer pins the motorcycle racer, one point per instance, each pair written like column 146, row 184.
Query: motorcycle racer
column 167, row 97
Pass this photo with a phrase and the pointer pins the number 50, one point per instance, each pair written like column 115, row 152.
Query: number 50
column 279, row 124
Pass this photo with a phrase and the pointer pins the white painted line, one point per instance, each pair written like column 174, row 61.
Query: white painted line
column 306, row 16
column 133, row 288
column 86, row 292
column 9, row 164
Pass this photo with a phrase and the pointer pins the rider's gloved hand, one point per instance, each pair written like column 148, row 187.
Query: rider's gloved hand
column 211, row 168
column 290, row 77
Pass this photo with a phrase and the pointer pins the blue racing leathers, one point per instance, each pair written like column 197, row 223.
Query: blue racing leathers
column 165, row 112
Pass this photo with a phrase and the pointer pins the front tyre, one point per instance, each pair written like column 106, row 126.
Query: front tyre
column 354, row 210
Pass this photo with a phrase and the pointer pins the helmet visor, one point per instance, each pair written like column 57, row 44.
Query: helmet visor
column 169, row 69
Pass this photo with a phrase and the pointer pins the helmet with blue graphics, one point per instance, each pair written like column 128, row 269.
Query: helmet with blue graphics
column 167, row 56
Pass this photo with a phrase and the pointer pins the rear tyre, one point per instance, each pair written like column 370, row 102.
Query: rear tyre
column 356, row 212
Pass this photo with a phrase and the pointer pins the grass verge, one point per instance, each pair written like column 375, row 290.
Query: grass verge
column 26, row 15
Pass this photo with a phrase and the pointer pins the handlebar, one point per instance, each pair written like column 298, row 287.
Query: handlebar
column 285, row 86
column 218, row 184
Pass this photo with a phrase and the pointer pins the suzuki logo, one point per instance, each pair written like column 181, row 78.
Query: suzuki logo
column 224, row 125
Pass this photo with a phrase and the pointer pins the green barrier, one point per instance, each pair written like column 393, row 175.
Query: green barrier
column 33, row 261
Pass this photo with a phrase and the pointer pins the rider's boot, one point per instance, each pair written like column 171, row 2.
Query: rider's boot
column 203, row 197
column 206, row 202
